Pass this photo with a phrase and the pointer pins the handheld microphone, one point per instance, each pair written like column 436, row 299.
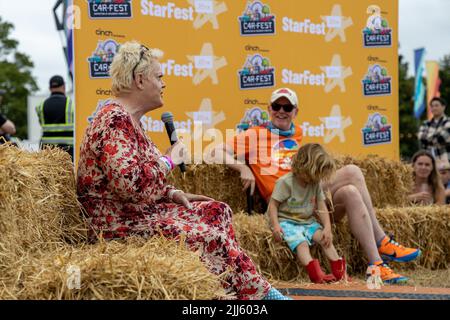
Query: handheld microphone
column 167, row 118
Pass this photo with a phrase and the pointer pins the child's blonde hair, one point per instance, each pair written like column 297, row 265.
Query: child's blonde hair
column 313, row 161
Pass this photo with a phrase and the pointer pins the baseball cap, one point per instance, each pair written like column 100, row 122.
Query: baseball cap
column 56, row 81
column 284, row 92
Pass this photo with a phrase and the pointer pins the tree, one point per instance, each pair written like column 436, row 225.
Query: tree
column 408, row 123
column 16, row 79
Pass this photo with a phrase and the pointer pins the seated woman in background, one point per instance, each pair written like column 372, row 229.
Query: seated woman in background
column 428, row 188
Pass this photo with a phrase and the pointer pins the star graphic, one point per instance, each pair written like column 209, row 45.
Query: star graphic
column 344, row 72
column 208, row 112
column 217, row 63
column 343, row 123
column 345, row 23
column 203, row 18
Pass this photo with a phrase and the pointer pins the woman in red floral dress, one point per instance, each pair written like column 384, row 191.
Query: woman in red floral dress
column 122, row 180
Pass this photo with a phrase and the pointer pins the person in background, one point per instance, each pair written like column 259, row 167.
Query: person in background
column 56, row 116
column 428, row 188
column 7, row 127
column 434, row 134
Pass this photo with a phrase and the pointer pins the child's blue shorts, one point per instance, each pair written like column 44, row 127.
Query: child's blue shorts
column 296, row 233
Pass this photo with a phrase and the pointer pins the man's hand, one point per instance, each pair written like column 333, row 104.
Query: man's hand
column 248, row 179
column 277, row 233
column 327, row 237
column 185, row 198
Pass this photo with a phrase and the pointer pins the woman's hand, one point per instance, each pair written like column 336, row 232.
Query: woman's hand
column 422, row 197
column 327, row 237
column 277, row 233
column 185, row 198
column 177, row 152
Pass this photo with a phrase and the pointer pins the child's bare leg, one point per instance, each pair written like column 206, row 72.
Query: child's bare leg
column 330, row 252
column 303, row 253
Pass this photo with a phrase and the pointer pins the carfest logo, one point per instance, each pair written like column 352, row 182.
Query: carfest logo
column 253, row 117
column 377, row 81
column 256, row 73
column 101, row 59
column 377, row 32
column 107, row 9
column 257, row 19
column 377, row 130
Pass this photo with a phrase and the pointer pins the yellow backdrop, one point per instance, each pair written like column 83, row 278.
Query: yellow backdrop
column 224, row 58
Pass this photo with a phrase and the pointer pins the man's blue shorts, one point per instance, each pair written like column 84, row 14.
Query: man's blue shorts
column 295, row 233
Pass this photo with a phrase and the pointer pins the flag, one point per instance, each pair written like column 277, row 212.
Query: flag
column 419, row 92
column 433, row 84
column 69, row 19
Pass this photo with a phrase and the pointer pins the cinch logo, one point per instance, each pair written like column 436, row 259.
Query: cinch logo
column 108, row 33
column 103, row 92
column 377, row 130
column 254, row 117
column 256, row 73
column 101, row 59
column 104, row 9
column 257, row 20
column 169, row 11
column 377, row 82
column 377, row 32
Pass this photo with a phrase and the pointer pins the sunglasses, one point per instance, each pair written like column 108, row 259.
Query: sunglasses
column 143, row 50
column 286, row 107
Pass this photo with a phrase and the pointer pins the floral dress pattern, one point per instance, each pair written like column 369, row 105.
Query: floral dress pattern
column 123, row 189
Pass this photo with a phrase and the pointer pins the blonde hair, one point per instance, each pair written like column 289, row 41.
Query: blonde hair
column 313, row 161
column 128, row 56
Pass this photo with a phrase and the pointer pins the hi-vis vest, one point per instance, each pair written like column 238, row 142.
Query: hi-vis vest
column 57, row 133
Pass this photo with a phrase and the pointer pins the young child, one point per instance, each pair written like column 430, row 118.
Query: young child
column 295, row 199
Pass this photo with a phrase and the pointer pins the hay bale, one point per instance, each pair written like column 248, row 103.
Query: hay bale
column 425, row 227
column 137, row 269
column 388, row 181
column 38, row 204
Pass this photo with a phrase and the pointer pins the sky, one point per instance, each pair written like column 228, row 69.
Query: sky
column 422, row 23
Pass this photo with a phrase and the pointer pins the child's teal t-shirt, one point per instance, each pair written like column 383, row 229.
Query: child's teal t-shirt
column 297, row 203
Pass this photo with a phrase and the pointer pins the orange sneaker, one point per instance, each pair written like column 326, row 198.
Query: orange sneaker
column 389, row 276
column 392, row 251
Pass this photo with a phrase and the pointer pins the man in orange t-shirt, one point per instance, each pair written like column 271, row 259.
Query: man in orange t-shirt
column 264, row 154
column 268, row 150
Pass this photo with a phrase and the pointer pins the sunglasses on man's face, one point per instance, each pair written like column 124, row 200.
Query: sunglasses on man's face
column 286, row 107
column 143, row 50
